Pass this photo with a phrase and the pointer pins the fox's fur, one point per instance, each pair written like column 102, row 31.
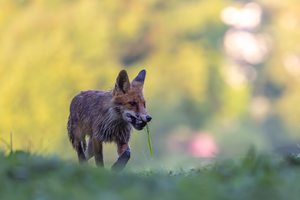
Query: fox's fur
column 107, row 116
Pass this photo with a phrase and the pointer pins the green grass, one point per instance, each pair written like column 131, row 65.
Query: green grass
column 26, row 176
column 149, row 140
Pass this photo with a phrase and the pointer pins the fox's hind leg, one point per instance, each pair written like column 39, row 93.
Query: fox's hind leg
column 80, row 145
column 76, row 138
column 98, row 152
column 124, row 156
column 89, row 151
column 80, row 152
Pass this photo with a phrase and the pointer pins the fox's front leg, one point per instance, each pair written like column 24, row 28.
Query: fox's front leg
column 124, row 156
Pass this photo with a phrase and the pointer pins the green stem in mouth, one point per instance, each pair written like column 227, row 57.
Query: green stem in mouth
column 149, row 140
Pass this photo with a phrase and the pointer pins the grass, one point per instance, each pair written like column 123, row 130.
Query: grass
column 26, row 176
column 149, row 140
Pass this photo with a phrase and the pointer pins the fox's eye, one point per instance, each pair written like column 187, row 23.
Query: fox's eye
column 132, row 103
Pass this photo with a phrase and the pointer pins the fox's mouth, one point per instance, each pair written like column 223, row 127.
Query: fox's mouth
column 137, row 123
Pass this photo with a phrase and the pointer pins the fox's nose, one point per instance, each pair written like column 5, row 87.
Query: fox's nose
column 148, row 118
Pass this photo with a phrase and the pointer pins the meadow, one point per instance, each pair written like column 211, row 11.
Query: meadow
column 222, row 76
column 27, row 176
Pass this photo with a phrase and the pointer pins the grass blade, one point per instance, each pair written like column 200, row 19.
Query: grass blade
column 149, row 140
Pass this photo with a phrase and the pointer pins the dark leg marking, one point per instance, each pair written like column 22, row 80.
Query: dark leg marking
column 123, row 158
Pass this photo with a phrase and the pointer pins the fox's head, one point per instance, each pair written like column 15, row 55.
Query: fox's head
column 129, row 100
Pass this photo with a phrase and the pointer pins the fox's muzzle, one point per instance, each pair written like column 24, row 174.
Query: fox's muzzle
column 138, row 121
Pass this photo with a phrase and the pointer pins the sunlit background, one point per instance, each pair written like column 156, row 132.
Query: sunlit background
column 223, row 76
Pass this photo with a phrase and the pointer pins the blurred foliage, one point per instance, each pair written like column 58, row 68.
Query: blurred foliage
column 285, row 32
column 252, row 177
column 50, row 50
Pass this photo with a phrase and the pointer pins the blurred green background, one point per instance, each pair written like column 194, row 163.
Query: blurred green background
column 222, row 75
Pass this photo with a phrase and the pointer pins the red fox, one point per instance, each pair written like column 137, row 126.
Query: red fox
column 108, row 116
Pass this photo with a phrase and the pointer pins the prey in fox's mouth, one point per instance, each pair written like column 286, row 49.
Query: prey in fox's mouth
column 138, row 121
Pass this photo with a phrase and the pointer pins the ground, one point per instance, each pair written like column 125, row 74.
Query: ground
column 27, row 176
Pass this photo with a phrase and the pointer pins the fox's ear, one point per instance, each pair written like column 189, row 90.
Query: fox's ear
column 139, row 79
column 122, row 82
